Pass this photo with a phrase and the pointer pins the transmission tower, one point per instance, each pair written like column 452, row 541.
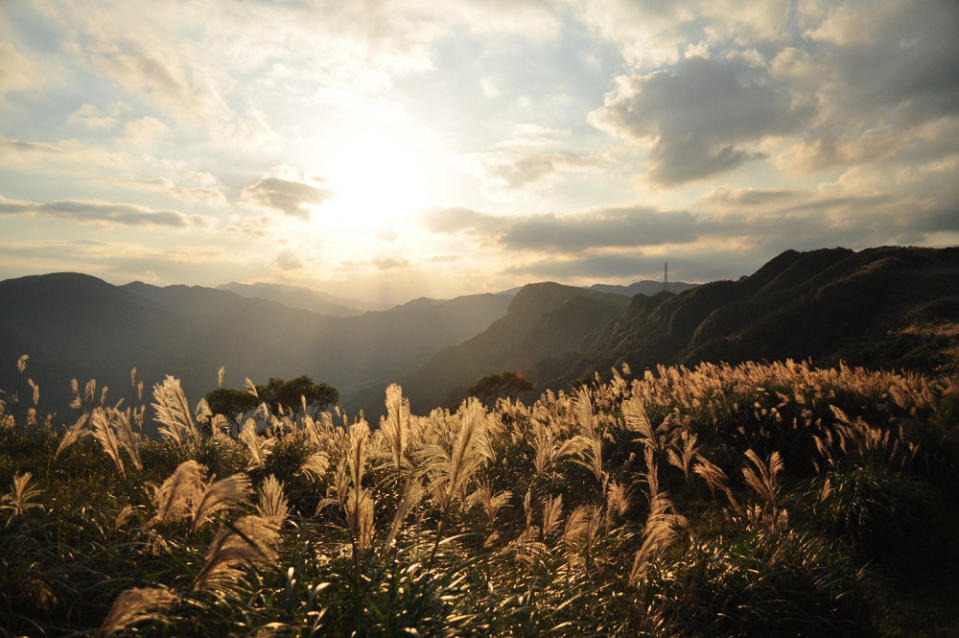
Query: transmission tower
column 666, row 276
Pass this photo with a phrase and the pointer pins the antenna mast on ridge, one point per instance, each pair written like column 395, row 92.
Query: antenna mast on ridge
column 666, row 276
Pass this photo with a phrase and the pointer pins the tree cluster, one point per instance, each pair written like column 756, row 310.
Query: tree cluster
column 275, row 393
column 504, row 384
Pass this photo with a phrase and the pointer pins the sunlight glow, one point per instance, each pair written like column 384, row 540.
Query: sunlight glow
column 380, row 181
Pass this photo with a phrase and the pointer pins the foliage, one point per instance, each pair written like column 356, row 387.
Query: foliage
column 760, row 499
column 504, row 384
column 277, row 393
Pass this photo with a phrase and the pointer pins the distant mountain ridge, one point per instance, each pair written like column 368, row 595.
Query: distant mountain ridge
column 645, row 287
column 75, row 325
column 642, row 287
column 303, row 298
column 890, row 307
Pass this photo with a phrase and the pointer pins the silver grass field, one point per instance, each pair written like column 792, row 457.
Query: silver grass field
column 760, row 499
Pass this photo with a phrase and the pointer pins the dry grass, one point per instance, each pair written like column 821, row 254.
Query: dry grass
column 573, row 514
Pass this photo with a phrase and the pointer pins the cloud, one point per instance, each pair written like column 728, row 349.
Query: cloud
column 17, row 71
column 92, row 117
column 98, row 212
column 707, row 263
column 143, row 130
column 699, row 116
column 288, row 260
column 458, row 219
column 288, row 197
column 380, row 264
column 387, row 234
column 636, row 226
column 531, row 155
column 63, row 152
column 813, row 85
column 724, row 197
column 888, row 78
column 120, row 262
column 651, row 34
column 160, row 76
column 754, row 218
column 390, row 263
column 518, row 168
column 609, row 227
column 201, row 188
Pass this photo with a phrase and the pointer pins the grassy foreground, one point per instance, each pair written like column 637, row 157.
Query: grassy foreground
column 773, row 500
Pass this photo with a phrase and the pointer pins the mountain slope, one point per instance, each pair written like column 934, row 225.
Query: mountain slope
column 74, row 325
column 542, row 319
column 879, row 307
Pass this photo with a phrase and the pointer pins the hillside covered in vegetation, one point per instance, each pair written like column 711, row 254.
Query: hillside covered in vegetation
column 889, row 307
column 759, row 499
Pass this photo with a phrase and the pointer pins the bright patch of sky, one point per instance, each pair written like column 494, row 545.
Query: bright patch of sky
column 398, row 149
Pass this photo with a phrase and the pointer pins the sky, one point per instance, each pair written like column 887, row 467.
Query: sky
column 388, row 150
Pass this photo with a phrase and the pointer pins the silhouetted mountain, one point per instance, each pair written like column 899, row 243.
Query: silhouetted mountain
column 74, row 325
column 644, row 287
column 303, row 298
column 885, row 307
column 542, row 319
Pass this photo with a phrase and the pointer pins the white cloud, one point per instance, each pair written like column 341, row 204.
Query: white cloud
column 288, row 260
column 64, row 152
column 532, row 155
column 489, row 87
column 143, row 131
column 194, row 188
column 17, row 71
column 103, row 213
column 121, row 262
column 92, row 117
column 286, row 196
column 652, row 34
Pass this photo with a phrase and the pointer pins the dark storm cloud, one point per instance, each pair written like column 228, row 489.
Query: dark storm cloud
column 285, row 196
column 699, row 115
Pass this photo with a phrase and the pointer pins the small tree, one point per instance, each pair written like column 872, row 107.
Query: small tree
column 504, row 384
column 230, row 402
column 275, row 393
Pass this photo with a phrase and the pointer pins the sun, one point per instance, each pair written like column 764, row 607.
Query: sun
column 379, row 181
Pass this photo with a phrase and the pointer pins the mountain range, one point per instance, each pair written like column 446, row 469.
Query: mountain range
column 889, row 307
column 74, row 325
column 303, row 298
column 886, row 307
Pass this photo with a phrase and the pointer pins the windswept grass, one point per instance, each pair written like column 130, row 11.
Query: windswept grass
column 760, row 499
